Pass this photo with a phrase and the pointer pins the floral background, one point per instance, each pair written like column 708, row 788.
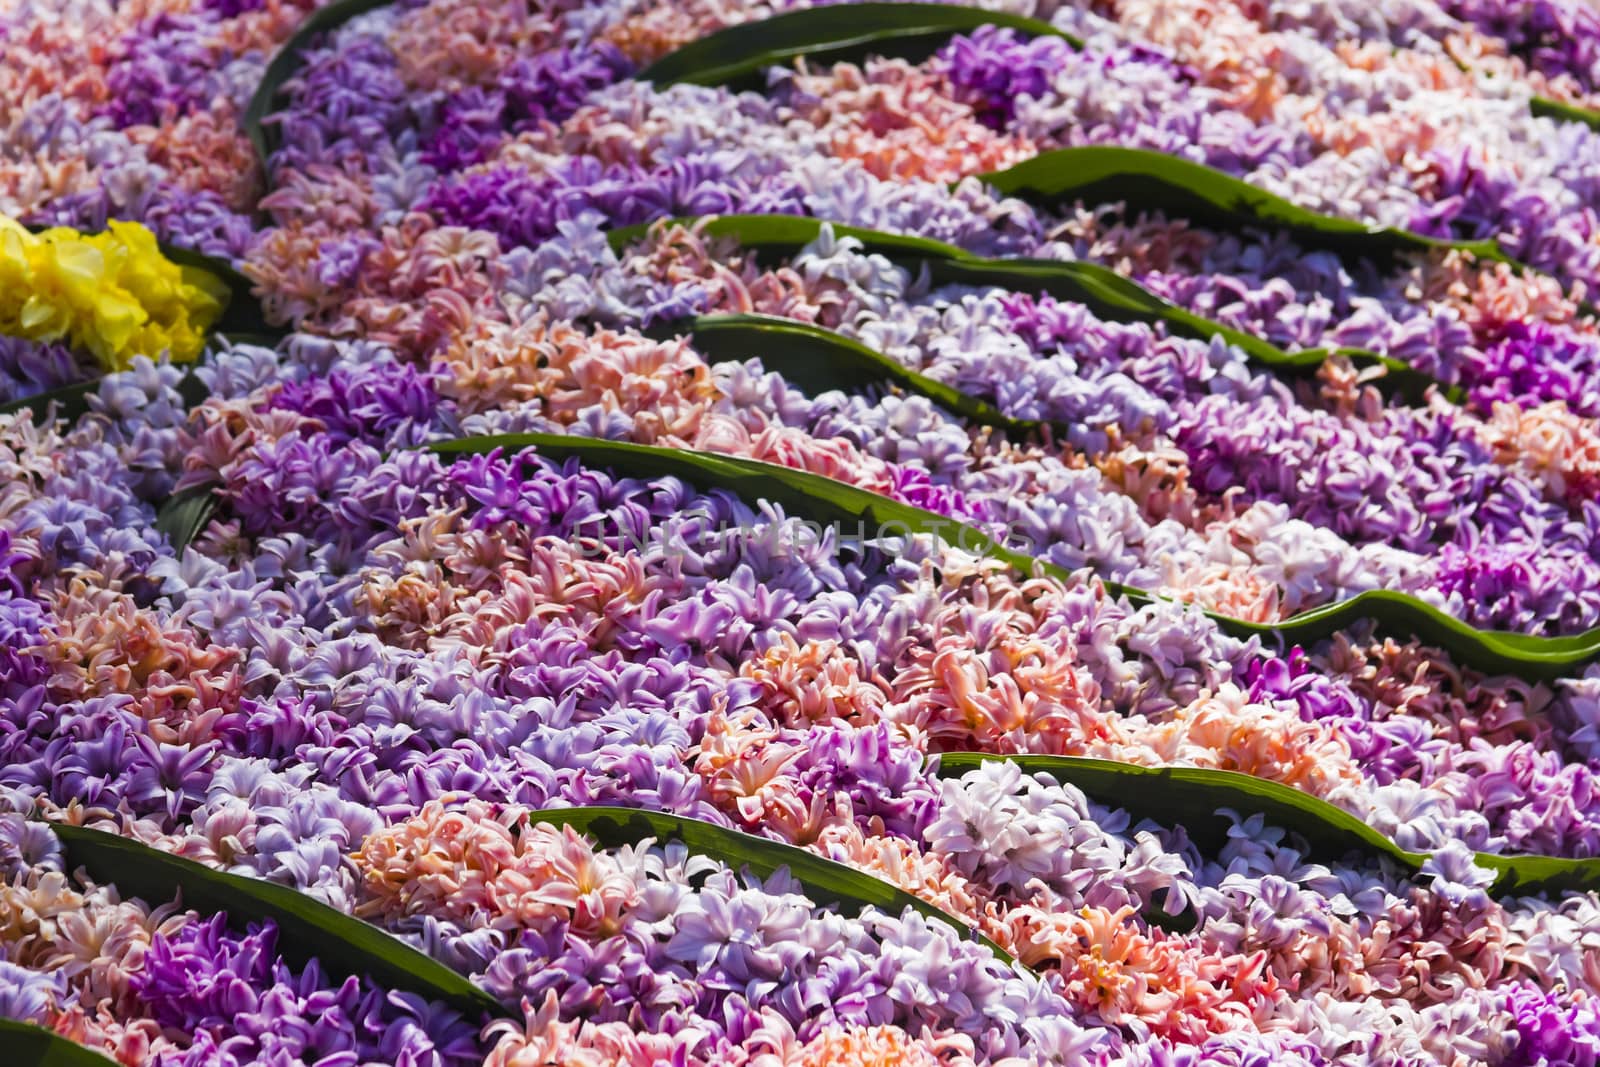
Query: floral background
column 375, row 658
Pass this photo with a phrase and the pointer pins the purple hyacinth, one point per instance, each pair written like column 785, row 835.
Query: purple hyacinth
column 197, row 220
column 547, row 87
column 28, row 368
column 30, row 996
column 229, row 9
column 388, row 402
column 1536, row 362
column 169, row 69
column 550, row 86
column 238, row 999
column 1550, row 1033
column 1555, row 37
column 993, row 66
column 346, row 105
column 521, row 209
column 883, row 780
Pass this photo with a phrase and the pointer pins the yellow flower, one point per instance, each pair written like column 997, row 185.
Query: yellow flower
column 113, row 294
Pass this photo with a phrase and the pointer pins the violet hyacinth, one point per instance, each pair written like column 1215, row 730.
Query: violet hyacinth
column 1554, row 36
column 197, row 220
column 548, row 87
column 1531, row 364
column 28, row 368
column 233, row 998
column 347, row 102
column 523, row 210
column 1548, row 1032
column 167, row 70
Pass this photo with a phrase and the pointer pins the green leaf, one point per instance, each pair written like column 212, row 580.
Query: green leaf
column 739, row 55
column 284, row 64
column 72, row 402
column 185, row 514
column 27, row 1045
column 817, row 360
column 1544, row 107
column 1194, row 795
column 1403, row 616
column 1156, row 181
column 787, row 234
column 827, row 501
column 1105, row 292
column 307, row 928
column 243, row 313
column 826, row 881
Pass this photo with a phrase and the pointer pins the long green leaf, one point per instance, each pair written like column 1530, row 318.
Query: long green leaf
column 243, row 314
column 307, row 928
column 182, row 516
column 284, row 63
column 787, row 234
column 1105, row 292
column 1193, row 796
column 27, row 1045
column 826, row 881
column 1491, row 651
column 824, row 500
column 739, row 54
column 799, row 492
column 72, row 402
column 817, row 360
column 1156, row 181
column 1564, row 112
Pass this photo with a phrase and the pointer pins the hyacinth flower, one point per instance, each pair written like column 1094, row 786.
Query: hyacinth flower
column 162, row 985
column 957, row 703
column 1549, row 44
column 1297, row 148
column 1122, row 960
column 113, row 294
column 977, row 79
column 1198, row 101
column 496, row 196
column 1470, row 324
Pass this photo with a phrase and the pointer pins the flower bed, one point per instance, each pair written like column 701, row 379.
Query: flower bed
column 554, row 563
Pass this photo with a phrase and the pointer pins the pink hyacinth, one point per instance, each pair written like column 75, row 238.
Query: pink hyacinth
column 475, row 865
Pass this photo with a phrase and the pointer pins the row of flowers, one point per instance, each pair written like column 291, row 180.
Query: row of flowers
column 939, row 118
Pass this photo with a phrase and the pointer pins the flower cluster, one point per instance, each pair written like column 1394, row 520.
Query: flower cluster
column 112, row 294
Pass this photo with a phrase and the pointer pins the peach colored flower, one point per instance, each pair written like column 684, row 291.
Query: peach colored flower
column 543, row 1040
column 1225, row 731
column 902, row 123
column 745, row 768
column 881, row 1046
column 472, row 865
column 813, row 683
column 1114, row 970
column 1549, row 443
column 895, row 860
column 449, row 44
